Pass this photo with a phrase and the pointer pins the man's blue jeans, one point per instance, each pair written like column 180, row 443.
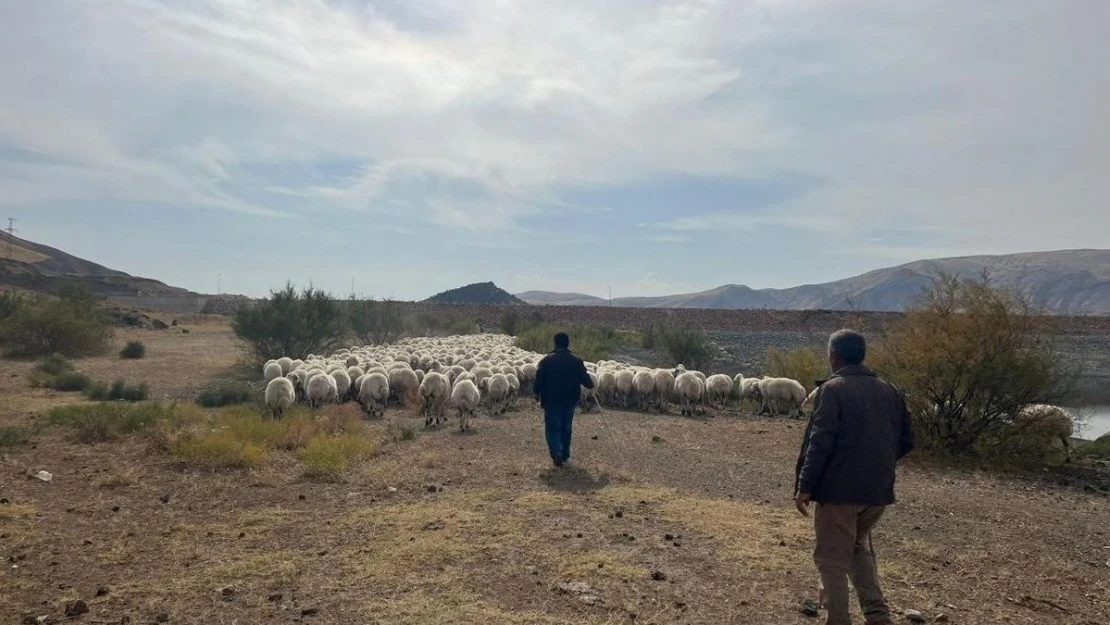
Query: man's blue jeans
column 557, row 423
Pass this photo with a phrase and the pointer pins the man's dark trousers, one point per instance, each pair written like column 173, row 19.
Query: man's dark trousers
column 557, row 423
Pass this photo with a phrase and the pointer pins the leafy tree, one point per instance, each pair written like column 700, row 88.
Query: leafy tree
column 290, row 323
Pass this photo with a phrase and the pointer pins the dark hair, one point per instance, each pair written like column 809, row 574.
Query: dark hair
column 849, row 346
column 562, row 341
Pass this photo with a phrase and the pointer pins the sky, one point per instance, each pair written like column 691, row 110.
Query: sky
column 410, row 146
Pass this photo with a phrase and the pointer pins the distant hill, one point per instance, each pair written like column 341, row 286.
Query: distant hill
column 1073, row 282
column 477, row 293
column 42, row 268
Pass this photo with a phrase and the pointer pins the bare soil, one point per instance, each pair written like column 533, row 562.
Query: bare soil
column 478, row 528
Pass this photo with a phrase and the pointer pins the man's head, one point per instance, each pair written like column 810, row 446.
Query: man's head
column 562, row 341
column 846, row 347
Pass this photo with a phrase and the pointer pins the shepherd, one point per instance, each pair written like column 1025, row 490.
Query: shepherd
column 859, row 430
column 560, row 377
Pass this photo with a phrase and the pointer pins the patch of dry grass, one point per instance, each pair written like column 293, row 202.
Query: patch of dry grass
column 13, row 511
column 455, row 605
column 329, row 455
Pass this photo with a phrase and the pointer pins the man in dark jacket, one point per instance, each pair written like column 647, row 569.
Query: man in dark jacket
column 560, row 377
column 859, row 430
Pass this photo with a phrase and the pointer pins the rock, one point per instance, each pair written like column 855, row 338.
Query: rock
column 574, row 588
column 227, row 593
column 76, row 608
column 657, row 439
column 432, row 488
column 310, row 612
column 782, row 543
column 158, row 324
column 115, row 508
column 659, row 576
column 301, row 497
column 274, row 597
column 164, row 498
column 102, row 591
column 594, row 437
column 619, row 513
column 668, row 536
column 942, row 618
column 162, row 617
column 589, row 599
column 392, row 489
column 914, row 616
column 810, row 608
column 433, row 525
column 242, row 534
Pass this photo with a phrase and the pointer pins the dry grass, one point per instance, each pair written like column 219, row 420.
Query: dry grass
column 12, row 511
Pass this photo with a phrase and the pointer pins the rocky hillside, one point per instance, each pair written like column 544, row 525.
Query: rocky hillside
column 37, row 267
column 477, row 293
column 1071, row 282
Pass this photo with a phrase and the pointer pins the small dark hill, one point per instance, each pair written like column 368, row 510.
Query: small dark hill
column 477, row 293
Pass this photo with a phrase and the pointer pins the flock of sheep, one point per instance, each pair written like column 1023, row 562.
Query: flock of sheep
column 464, row 373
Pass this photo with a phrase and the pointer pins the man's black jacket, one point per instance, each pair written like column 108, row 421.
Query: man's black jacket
column 560, row 377
column 859, row 430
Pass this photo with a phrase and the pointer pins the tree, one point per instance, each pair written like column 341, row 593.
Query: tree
column 970, row 357
column 72, row 325
column 375, row 322
column 290, row 323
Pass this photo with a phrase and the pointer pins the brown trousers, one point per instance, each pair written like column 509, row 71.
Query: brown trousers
column 843, row 550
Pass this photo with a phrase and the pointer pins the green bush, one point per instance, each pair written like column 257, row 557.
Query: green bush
column 290, row 323
column 225, row 394
column 54, row 364
column 375, row 322
column 685, row 345
column 591, row 343
column 1098, row 448
column 805, row 365
column 134, row 350
column 70, row 381
column 72, row 325
column 970, row 357
column 10, row 436
column 9, row 303
column 108, row 420
column 119, row 390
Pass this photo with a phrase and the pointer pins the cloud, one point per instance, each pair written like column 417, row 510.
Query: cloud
column 497, row 125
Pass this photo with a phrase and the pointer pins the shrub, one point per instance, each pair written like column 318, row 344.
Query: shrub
column 806, row 365
column 591, row 343
column 1098, row 448
column 119, row 390
column 685, row 345
column 54, row 364
column 969, row 357
column 375, row 322
column 225, row 393
column 10, row 436
column 9, row 303
column 329, row 455
column 290, row 324
column 70, row 381
column 70, row 326
column 107, row 421
column 218, row 449
column 134, row 350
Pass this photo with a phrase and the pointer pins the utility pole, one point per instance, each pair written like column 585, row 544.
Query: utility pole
column 610, row 295
column 219, row 290
column 11, row 235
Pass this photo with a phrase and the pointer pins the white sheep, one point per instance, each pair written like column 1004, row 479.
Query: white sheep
column 280, row 395
column 403, row 385
column 664, row 387
column 286, row 364
column 435, row 390
column 643, row 389
column 782, row 393
column 272, row 370
column 1045, row 422
column 625, row 386
column 690, row 390
column 373, row 393
column 498, row 390
column 342, row 385
column 590, row 394
column 606, row 386
column 717, row 389
column 319, row 389
column 465, row 398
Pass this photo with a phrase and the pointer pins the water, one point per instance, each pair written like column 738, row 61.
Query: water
column 1098, row 421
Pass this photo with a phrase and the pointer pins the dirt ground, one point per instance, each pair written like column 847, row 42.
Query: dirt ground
column 659, row 519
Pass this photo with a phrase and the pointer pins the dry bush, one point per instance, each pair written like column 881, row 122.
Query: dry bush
column 217, row 449
column 94, row 423
column 806, row 365
column 329, row 455
column 969, row 357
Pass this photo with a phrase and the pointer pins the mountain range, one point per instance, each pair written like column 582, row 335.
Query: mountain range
column 1074, row 282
